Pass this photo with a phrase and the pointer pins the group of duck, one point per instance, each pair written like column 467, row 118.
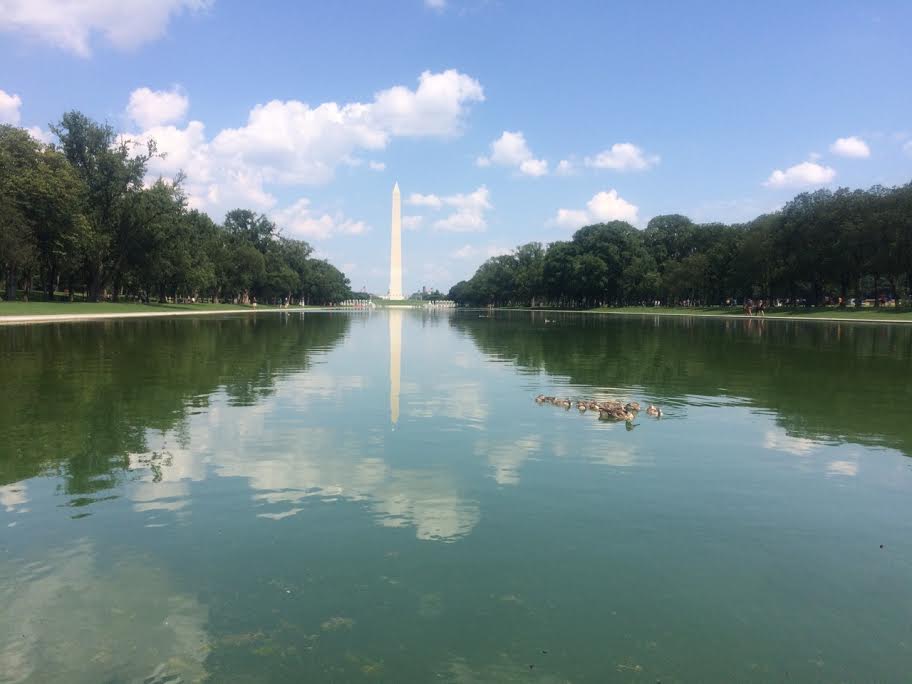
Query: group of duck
column 607, row 410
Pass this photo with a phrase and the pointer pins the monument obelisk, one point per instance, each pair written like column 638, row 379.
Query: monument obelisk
column 395, row 288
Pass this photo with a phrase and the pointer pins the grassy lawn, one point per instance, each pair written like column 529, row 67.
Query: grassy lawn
column 70, row 308
column 849, row 314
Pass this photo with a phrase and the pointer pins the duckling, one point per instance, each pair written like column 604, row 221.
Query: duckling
column 592, row 405
column 540, row 399
column 654, row 411
column 581, row 405
column 615, row 413
column 566, row 403
column 549, row 400
column 632, row 407
column 609, row 406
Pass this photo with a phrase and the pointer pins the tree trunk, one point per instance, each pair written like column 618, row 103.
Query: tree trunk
column 49, row 285
column 95, row 285
column 11, row 285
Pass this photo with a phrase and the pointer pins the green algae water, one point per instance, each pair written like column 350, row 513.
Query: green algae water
column 378, row 498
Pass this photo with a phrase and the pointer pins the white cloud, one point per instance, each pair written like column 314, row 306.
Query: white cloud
column 209, row 184
column 419, row 200
column 299, row 221
column 10, row 114
column 463, row 222
column 511, row 149
column 564, row 168
column 468, row 251
column 436, row 108
column 126, row 24
column 376, row 166
column 149, row 108
column 438, row 5
column 608, row 206
column 851, row 147
column 9, row 108
column 412, row 222
column 572, row 218
column 469, row 209
column 468, row 214
column 623, row 157
column 805, row 174
column 907, row 148
column 292, row 143
column 40, row 134
column 534, row 167
column 603, row 207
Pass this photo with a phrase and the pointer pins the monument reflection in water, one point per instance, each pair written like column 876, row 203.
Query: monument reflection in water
column 285, row 498
column 395, row 347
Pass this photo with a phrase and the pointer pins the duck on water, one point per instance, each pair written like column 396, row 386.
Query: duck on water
column 607, row 410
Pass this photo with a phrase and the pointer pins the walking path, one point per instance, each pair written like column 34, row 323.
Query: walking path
column 63, row 317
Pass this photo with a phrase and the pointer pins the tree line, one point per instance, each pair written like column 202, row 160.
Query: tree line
column 78, row 217
column 821, row 247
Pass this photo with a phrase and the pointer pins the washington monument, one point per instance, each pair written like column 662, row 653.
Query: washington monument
column 395, row 288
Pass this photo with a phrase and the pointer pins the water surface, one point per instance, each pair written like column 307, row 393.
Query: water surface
column 333, row 497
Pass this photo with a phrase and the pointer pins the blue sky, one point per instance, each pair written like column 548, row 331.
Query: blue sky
column 503, row 122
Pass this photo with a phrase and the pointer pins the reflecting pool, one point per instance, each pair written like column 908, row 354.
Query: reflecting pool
column 339, row 497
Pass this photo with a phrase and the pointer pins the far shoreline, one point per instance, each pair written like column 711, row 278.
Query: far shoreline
column 850, row 316
column 875, row 317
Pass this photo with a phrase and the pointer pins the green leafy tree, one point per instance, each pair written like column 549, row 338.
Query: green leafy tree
column 112, row 170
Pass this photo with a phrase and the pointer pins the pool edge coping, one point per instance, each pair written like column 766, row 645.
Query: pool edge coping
column 73, row 318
